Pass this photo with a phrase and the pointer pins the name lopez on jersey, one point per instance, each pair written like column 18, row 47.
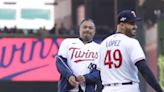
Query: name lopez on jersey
column 88, row 55
column 113, row 43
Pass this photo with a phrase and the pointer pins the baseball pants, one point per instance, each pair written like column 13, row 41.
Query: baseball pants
column 122, row 88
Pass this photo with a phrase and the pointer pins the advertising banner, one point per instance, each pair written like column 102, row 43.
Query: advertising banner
column 29, row 59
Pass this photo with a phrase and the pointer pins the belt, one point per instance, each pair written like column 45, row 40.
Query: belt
column 115, row 84
column 80, row 89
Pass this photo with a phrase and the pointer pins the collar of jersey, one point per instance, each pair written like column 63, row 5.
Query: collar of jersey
column 82, row 40
column 119, row 33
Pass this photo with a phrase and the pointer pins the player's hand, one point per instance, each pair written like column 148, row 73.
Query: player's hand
column 80, row 79
column 72, row 81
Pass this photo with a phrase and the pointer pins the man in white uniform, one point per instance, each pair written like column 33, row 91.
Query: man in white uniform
column 77, row 59
column 122, row 56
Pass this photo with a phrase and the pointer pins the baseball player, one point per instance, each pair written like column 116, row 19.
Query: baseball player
column 77, row 60
column 122, row 56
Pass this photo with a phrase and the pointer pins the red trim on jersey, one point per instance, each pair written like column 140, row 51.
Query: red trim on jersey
column 138, row 61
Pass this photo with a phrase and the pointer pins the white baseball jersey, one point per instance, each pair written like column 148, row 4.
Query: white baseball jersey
column 118, row 54
column 79, row 56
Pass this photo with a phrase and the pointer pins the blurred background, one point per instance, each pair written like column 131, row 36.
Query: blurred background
column 31, row 32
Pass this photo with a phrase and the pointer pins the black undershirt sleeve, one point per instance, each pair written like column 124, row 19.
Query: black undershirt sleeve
column 148, row 75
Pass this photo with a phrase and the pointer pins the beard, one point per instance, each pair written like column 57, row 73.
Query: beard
column 129, row 32
column 87, row 38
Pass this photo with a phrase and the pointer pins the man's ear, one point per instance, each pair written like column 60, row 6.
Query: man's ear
column 122, row 25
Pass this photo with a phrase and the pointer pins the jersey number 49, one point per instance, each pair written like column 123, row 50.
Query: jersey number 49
column 117, row 57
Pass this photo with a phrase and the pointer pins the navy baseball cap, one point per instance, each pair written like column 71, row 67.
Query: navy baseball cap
column 127, row 16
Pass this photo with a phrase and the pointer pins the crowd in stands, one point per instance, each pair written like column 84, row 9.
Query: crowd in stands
column 73, row 30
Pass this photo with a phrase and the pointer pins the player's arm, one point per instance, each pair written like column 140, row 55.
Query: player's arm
column 148, row 75
column 61, row 60
column 138, row 58
column 62, row 67
column 93, row 76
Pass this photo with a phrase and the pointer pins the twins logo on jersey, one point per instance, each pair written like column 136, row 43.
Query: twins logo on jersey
column 86, row 55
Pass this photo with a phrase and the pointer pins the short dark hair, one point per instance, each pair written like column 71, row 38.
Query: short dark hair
column 88, row 19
